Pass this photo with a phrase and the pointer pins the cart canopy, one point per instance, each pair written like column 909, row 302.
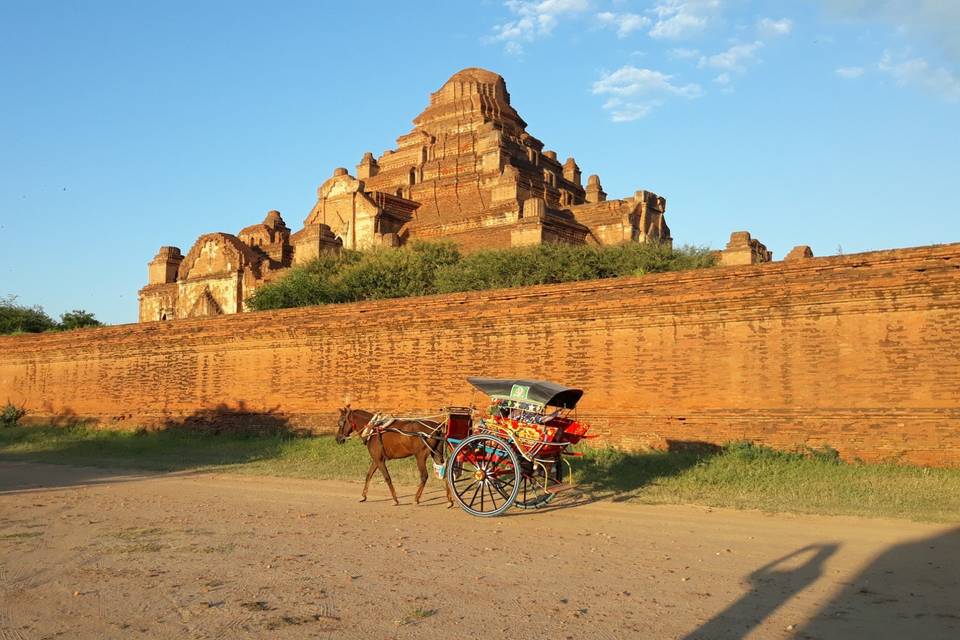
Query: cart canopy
column 539, row 393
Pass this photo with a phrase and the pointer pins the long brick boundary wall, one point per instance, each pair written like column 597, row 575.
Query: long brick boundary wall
column 858, row 352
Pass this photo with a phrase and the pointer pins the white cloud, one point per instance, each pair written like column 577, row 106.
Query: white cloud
column 629, row 80
column 621, row 111
column 684, row 54
column 920, row 73
column 533, row 20
column 624, row 23
column 722, row 79
column 772, row 28
column 735, row 58
column 850, row 73
column 682, row 18
column 646, row 89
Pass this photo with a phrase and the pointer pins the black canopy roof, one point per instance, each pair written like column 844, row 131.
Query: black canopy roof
column 540, row 392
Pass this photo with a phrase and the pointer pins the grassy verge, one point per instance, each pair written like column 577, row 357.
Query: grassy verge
column 739, row 476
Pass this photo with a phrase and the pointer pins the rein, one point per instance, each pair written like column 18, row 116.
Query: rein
column 376, row 420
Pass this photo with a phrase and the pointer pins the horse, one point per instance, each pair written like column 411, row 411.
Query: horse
column 400, row 438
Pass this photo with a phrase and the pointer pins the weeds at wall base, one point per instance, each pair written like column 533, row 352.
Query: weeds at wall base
column 739, row 475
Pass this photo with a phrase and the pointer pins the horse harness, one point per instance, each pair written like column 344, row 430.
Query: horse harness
column 380, row 424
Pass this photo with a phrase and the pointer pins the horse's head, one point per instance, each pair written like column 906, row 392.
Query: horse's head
column 345, row 425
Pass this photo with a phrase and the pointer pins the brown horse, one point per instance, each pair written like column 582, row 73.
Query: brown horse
column 401, row 438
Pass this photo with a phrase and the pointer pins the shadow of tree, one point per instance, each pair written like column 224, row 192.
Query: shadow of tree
column 68, row 419
column 238, row 420
column 217, row 436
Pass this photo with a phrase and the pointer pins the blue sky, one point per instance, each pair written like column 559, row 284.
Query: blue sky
column 127, row 126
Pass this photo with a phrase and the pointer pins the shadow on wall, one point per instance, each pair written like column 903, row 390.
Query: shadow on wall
column 237, row 420
column 63, row 419
column 911, row 590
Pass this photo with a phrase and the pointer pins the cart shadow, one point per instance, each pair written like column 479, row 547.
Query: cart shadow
column 613, row 474
column 606, row 474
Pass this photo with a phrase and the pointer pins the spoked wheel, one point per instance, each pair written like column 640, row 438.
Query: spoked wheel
column 488, row 474
column 536, row 491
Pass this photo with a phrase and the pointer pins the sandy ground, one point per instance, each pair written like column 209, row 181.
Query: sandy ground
column 93, row 553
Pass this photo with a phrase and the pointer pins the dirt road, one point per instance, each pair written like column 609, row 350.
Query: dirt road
column 92, row 553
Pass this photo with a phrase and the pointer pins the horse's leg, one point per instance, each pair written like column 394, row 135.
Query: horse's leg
column 446, row 483
column 370, row 472
column 386, row 476
column 446, row 465
column 422, row 466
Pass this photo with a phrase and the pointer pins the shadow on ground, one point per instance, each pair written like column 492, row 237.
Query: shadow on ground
column 206, row 439
column 911, row 590
column 618, row 473
column 613, row 474
column 21, row 477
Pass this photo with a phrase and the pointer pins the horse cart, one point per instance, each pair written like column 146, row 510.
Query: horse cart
column 513, row 454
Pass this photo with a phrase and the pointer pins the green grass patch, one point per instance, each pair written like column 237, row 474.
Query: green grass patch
column 741, row 476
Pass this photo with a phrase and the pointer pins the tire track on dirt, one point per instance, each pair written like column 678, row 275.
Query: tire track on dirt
column 7, row 629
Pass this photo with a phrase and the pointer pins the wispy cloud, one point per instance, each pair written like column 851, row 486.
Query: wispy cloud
column 621, row 111
column 850, row 73
column 684, row 54
column 533, row 19
column 934, row 22
column 770, row 28
column 624, row 23
column 736, row 58
column 677, row 19
column 917, row 72
column 635, row 92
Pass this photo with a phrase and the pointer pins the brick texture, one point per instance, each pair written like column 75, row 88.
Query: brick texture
column 857, row 352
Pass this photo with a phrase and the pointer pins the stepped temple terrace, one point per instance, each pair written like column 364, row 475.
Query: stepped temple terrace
column 468, row 172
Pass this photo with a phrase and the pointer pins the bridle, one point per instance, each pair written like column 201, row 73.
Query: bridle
column 347, row 419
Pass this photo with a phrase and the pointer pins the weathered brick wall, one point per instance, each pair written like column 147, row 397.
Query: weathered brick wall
column 858, row 352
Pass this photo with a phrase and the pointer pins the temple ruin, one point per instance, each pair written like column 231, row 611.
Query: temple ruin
column 468, row 172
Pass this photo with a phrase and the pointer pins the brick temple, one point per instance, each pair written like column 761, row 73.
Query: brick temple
column 468, row 172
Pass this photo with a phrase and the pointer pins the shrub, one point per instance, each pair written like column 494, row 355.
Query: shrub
column 305, row 285
column 15, row 318
column 11, row 414
column 426, row 268
column 77, row 319
column 397, row 273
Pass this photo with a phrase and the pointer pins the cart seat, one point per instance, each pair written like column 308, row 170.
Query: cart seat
column 459, row 422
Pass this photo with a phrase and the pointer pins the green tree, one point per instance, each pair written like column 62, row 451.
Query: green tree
column 77, row 319
column 16, row 318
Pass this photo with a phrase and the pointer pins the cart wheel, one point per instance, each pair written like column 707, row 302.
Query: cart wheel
column 532, row 493
column 487, row 482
